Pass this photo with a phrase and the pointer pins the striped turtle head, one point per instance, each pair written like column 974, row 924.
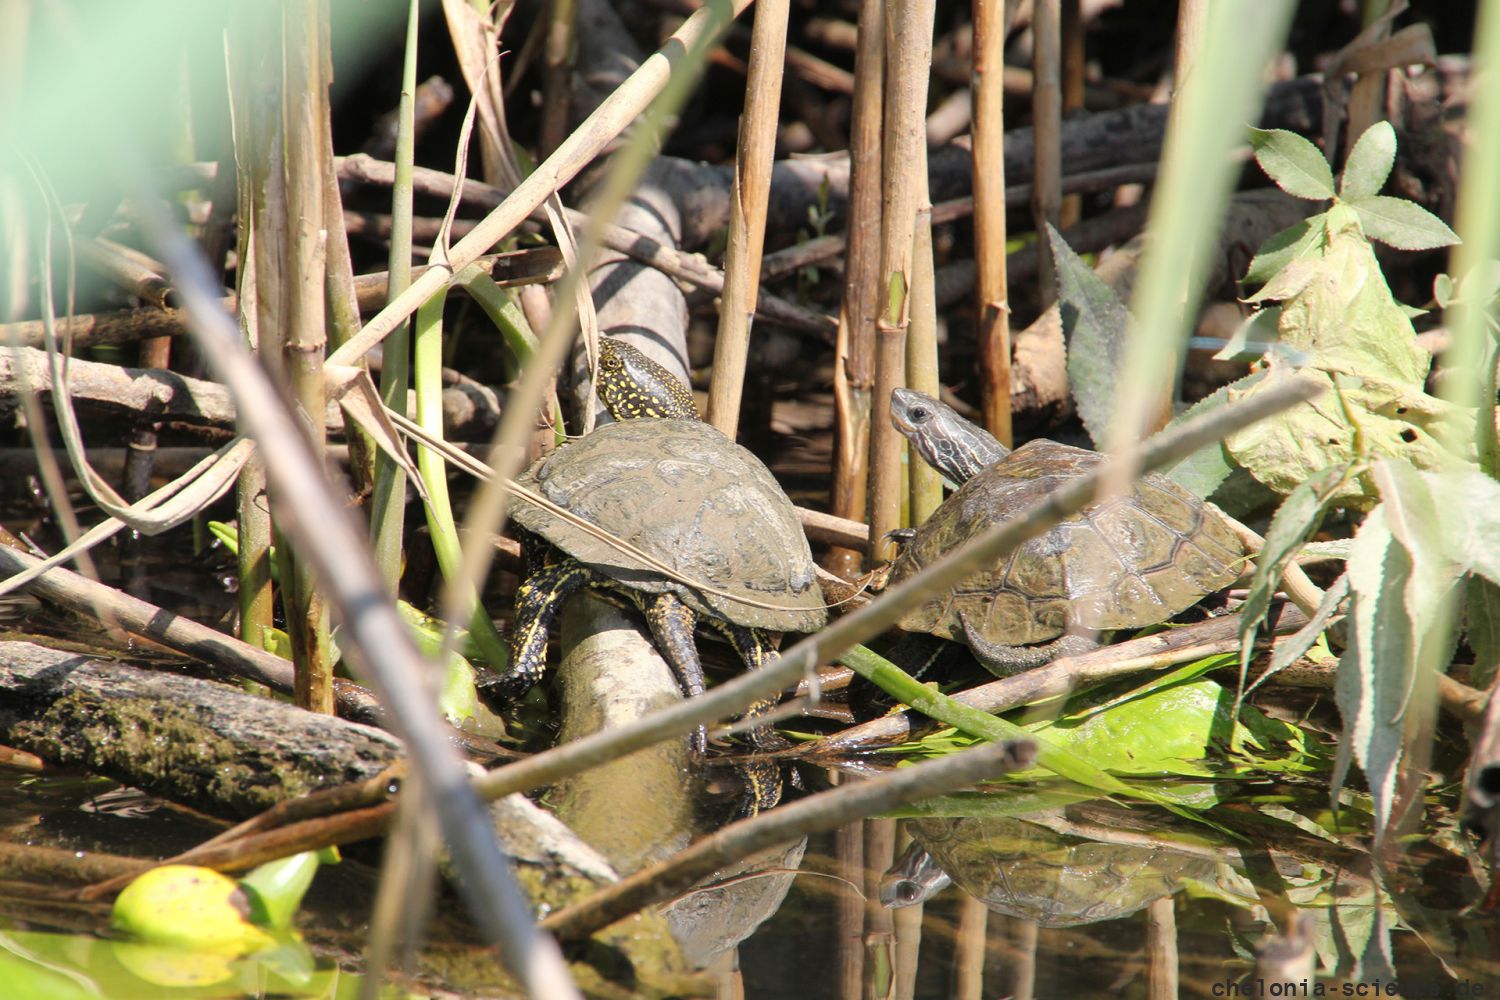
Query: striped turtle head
column 946, row 441
column 634, row 387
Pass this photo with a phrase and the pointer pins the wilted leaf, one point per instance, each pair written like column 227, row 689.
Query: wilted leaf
column 1291, row 243
column 1369, row 162
column 1094, row 321
column 1393, row 421
column 1345, row 317
column 1296, row 165
column 1402, row 224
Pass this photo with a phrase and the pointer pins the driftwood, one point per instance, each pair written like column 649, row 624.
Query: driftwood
column 196, row 742
column 225, row 752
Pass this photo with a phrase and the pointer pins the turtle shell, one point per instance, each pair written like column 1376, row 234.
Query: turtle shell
column 682, row 492
column 1128, row 561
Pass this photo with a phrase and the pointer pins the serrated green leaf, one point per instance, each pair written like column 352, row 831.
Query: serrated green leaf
column 1296, row 520
column 1289, row 649
column 1482, row 621
column 1094, row 323
column 1290, row 244
column 1402, row 224
column 1295, row 164
column 1369, row 162
column 1206, row 469
column 1413, row 513
column 1375, row 670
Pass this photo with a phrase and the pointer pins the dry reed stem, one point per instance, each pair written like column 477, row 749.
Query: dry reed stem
column 854, row 355
column 925, row 484
column 305, row 118
column 908, row 38
column 557, row 70
column 989, row 216
column 1074, row 74
column 747, row 215
column 1046, row 114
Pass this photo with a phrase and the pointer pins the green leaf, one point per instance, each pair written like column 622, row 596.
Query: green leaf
column 1296, row 165
column 275, row 889
column 1375, row 672
column 1291, row 648
column 1060, row 760
column 1442, row 290
column 1376, row 419
column 1401, row 223
column 1290, row 244
column 1414, row 514
column 1094, row 323
column 1296, row 521
column 1369, row 162
column 1169, row 727
column 1482, row 620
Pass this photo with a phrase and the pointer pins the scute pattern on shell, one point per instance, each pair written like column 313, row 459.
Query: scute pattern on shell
column 1130, row 561
column 687, row 495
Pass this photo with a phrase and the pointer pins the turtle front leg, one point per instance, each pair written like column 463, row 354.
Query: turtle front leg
column 1005, row 661
column 672, row 624
column 538, row 601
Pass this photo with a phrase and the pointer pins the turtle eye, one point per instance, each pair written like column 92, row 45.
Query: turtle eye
column 920, row 413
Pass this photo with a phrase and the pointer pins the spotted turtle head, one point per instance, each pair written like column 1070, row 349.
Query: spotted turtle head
column 634, row 387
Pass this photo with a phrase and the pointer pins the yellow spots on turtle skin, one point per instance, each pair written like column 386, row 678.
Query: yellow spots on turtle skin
column 633, row 387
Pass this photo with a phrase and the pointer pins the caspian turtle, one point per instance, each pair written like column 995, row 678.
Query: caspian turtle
column 1125, row 562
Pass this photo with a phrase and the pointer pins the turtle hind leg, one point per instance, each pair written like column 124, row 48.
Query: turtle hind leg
column 763, row 778
column 1004, row 661
column 672, row 623
column 538, row 600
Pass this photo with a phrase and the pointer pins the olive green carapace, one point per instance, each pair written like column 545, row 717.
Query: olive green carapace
column 680, row 491
column 691, row 498
column 634, row 387
column 1129, row 561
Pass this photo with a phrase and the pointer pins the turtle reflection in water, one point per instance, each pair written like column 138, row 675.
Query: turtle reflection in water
column 1125, row 562
column 1023, row 869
